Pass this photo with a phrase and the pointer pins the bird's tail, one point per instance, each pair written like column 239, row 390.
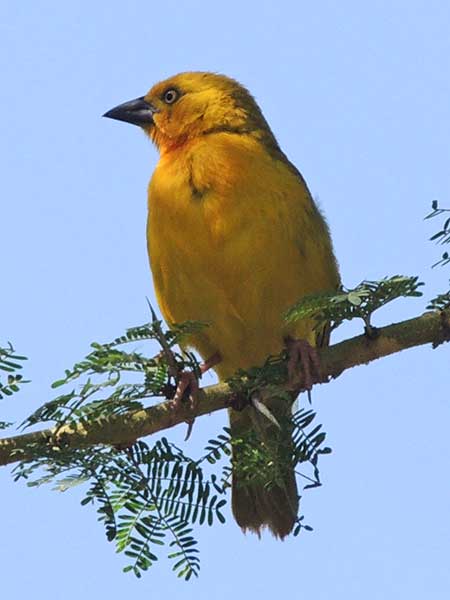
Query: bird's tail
column 264, row 490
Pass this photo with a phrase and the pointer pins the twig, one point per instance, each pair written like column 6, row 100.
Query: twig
column 429, row 328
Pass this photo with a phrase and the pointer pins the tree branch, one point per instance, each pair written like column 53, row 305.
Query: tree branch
column 429, row 328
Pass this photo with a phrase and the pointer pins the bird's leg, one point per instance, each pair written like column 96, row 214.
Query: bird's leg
column 187, row 380
column 302, row 355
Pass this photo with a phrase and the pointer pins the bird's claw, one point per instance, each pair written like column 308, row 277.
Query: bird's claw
column 302, row 354
column 187, row 383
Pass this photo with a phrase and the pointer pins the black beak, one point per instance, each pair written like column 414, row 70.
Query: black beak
column 136, row 112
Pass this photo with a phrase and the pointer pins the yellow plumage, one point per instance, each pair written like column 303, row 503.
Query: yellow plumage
column 234, row 236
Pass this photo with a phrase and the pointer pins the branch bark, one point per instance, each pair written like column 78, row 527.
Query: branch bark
column 429, row 328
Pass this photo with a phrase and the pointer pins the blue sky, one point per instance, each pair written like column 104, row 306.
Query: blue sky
column 358, row 95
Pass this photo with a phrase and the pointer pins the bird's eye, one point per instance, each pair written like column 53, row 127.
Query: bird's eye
column 170, row 96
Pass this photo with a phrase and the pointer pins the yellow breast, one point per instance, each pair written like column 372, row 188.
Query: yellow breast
column 235, row 240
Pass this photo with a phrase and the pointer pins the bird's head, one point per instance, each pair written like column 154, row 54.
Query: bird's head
column 193, row 104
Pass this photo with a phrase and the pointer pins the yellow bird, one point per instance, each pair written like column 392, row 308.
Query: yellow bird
column 234, row 239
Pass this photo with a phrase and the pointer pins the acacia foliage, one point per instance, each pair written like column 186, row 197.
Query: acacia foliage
column 149, row 496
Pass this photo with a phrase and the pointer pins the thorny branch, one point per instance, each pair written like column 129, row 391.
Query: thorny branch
column 429, row 328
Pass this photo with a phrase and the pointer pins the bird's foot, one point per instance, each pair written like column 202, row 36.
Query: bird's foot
column 188, row 388
column 304, row 359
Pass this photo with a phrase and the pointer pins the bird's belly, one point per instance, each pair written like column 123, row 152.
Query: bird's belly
column 238, row 286
column 236, row 250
